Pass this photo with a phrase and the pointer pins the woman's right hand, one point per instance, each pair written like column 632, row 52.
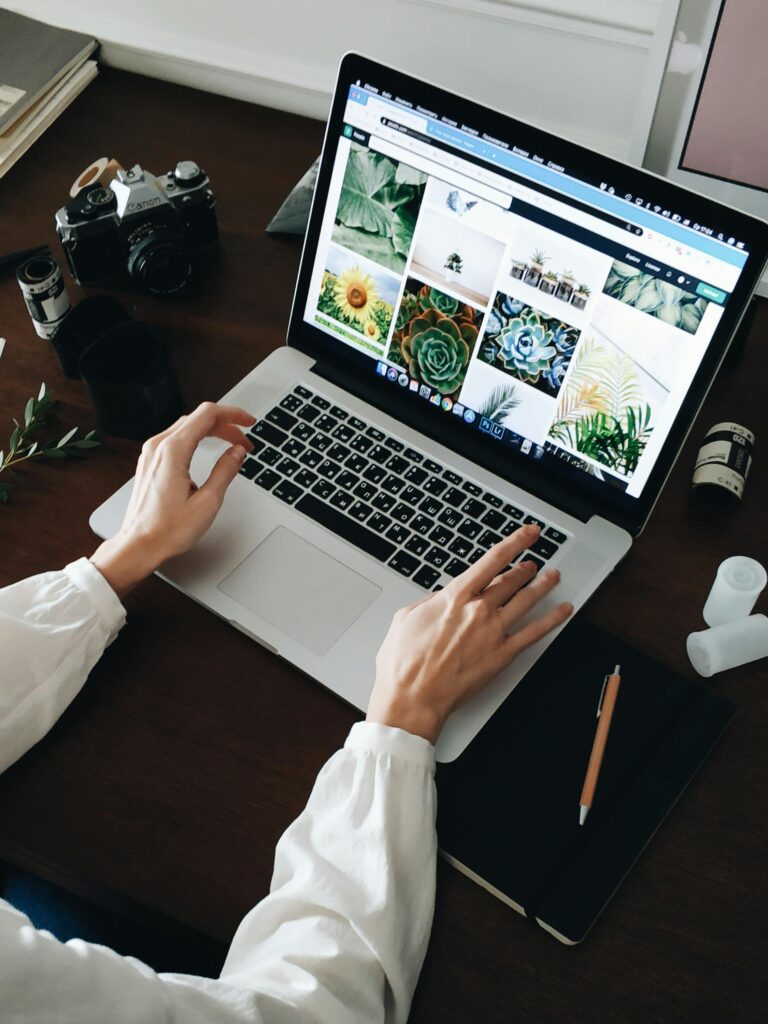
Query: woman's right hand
column 443, row 649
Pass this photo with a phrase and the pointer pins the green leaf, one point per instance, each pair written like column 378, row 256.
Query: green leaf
column 67, row 437
column 41, row 392
column 31, row 450
column 367, row 173
column 53, row 453
column 85, row 442
column 378, row 248
column 29, row 412
column 15, row 438
column 409, row 175
column 403, row 226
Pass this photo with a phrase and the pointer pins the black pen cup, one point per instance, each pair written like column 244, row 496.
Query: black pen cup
column 87, row 321
column 131, row 381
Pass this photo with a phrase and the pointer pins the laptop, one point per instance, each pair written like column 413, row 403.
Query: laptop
column 491, row 326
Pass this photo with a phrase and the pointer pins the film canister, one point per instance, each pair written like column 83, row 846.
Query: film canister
column 723, row 464
column 43, row 289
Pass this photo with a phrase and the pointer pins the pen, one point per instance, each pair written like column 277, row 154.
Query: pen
column 606, row 704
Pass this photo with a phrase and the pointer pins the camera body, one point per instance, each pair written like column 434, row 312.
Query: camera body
column 152, row 227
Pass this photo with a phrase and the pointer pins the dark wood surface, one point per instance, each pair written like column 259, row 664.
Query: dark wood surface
column 165, row 787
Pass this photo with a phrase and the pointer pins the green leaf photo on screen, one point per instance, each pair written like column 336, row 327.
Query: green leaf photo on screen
column 661, row 299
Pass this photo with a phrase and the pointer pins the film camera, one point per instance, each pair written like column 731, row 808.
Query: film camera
column 152, row 227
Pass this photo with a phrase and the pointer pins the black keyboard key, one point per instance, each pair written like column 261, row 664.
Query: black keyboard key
column 357, row 463
column 302, row 391
column 270, row 456
column 394, row 444
column 398, row 533
column 308, row 413
column 455, row 567
column 360, row 511
column 338, row 452
column 303, row 431
column 305, row 478
column 469, row 528
column 339, row 413
column 287, row 492
column 256, row 444
column 475, row 555
column 412, row 495
column 488, row 538
column 267, row 479
column 473, row 508
column 492, row 499
column 397, row 464
column 310, row 458
column 269, row 433
column 403, row 513
column 281, row 418
column 426, row 577
column 347, row 480
column 472, row 489
column 377, row 435
column 320, row 402
column 437, row 556
column 416, row 475
column 460, row 547
column 392, row 485
column 384, row 501
column 379, row 522
column 375, row 474
column 357, row 424
column 324, row 489
column 513, row 511
column 545, row 548
column 326, row 423
column 361, row 443
column 291, row 403
column 320, row 442
column 342, row 500
column 555, row 535
column 404, row 563
column 293, row 447
column 365, row 490
column 435, row 486
column 454, row 497
column 341, row 524
column 452, row 478
column 343, row 433
column 328, row 469
column 432, row 467
column 412, row 455
column 440, row 535
column 249, row 468
column 450, row 517
column 417, row 545
column 287, row 467
column 422, row 524
column 509, row 528
column 535, row 521
column 378, row 453
column 493, row 518
column 528, row 557
column 431, row 507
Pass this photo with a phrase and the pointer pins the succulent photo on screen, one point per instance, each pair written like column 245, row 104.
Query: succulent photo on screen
column 378, row 206
column 434, row 336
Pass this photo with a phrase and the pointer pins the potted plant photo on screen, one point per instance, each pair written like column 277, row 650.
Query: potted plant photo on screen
column 517, row 269
column 536, row 267
column 548, row 282
column 454, row 265
column 580, row 296
column 565, row 286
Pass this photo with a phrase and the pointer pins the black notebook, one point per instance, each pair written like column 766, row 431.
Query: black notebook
column 508, row 808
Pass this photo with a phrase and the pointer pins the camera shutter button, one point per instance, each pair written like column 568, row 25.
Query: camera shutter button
column 187, row 172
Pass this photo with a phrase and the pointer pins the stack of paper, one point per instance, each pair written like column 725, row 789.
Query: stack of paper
column 42, row 69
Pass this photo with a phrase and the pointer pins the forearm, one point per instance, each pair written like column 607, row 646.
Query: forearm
column 53, row 629
column 345, row 927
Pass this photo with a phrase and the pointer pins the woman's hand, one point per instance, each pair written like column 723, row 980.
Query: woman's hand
column 442, row 650
column 167, row 512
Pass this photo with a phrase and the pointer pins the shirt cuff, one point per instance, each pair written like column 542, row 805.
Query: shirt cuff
column 86, row 577
column 376, row 738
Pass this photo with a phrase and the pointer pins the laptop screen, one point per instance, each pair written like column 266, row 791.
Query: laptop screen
column 513, row 282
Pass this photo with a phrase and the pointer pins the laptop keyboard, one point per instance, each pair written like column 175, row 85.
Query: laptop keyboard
column 420, row 518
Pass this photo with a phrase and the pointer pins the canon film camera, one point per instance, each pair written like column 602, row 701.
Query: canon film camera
column 152, row 227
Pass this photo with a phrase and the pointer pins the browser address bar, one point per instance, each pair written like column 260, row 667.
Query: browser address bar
column 406, row 155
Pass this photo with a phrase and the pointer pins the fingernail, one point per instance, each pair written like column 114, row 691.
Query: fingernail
column 238, row 452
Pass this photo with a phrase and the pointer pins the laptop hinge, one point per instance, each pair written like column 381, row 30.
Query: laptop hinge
column 495, row 464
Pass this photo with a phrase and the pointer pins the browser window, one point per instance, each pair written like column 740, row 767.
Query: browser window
column 550, row 313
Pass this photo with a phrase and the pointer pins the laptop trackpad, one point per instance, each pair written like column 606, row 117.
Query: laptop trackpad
column 300, row 590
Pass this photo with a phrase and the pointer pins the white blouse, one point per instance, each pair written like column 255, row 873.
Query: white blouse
column 340, row 938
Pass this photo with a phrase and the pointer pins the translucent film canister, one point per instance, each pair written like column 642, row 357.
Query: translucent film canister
column 43, row 289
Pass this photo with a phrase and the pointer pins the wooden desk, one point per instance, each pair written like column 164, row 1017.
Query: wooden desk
column 169, row 781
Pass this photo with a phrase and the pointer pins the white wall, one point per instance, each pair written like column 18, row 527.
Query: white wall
column 573, row 67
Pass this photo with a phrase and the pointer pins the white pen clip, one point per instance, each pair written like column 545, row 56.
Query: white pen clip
column 602, row 694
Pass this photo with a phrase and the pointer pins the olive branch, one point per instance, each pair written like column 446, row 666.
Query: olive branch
column 22, row 447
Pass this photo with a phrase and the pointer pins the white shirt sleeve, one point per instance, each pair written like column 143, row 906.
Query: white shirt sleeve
column 341, row 936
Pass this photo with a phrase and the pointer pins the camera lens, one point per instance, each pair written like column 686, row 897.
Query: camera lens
column 160, row 263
